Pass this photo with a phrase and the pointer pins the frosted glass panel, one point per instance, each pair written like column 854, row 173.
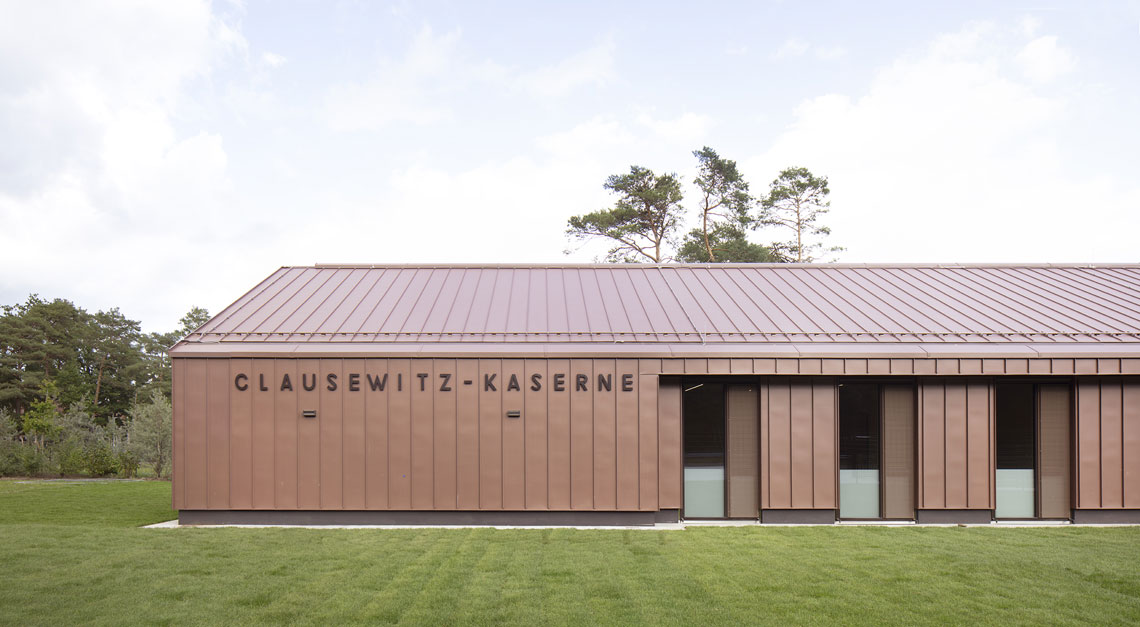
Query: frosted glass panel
column 704, row 492
column 858, row 493
column 1015, row 493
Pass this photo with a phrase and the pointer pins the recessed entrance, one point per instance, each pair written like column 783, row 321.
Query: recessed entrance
column 721, row 449
column 876, row 451
column 1032, row 447
column 703, row 411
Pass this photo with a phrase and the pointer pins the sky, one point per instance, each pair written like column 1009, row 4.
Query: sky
column 160, row 155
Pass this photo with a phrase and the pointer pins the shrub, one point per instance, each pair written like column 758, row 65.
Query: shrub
column 150, row 433
column 71, row 458
column 33, row 462
column 9, row 461
column 128, row 464
column 101, row 461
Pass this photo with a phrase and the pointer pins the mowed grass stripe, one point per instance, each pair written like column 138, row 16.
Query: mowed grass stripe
column 69, row 570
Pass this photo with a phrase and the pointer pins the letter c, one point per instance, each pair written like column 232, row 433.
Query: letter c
column 238, row 382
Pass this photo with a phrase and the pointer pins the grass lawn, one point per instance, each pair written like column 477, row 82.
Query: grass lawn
column 72, row 553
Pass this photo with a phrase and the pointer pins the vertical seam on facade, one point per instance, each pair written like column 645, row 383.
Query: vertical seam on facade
column 968, row 447
column 1100, row 441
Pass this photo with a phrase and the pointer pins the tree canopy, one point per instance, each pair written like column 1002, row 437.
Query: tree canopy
column 101, row 361
column 795, row 201
column 643, row 224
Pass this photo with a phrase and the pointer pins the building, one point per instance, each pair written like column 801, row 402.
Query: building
column 628, row 394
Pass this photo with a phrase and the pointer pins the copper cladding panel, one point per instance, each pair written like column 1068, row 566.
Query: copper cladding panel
column 1054, row 417
column 399, row 434
column 1111, row 454
column 825, row 438
column 956, row 435
column 1131, row 427
column 467, row 434
column 376, row 435
column 196, row 455
column 263, row 429
column 669, row 444
column 1088, row 445
column 535, row 425
column 558, row 430
column 605, row 434
column 444, row 442
column 422, row 383
column 514, row 435
column 776, row 464
column 898, row 451
column 241, row 438
column 353, row 445
column 330, row 418
column 283, row 493
column 1108, row 444
column 627, row 433
column 308, row 435
column 218, row 434
column 581, row 435
column 980, row 460
column 802, row 446
column 743, row 416
column 490, row 434
column 798, row 468
column 178, row 441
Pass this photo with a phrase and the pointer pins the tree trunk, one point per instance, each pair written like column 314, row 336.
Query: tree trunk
column 99, row 380
column 705, row 228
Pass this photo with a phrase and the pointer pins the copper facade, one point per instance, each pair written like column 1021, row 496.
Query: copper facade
column 937, row 338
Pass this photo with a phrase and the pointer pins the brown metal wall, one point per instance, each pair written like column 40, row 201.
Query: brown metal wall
column 798, row 447
column 433, row 449
column 956, row 445
column 1054, row 446
column 420, row 447
column 743, row 463
column 1108, row 444
column 898, row 443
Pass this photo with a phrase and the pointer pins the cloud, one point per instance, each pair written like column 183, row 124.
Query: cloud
column 950, row 155
column 409, row 89
column 272, row 60
column 591, row 67
column 96, row 145
column 794, row 47
column 435, row 70
column 1042, row 60
column 830, row 53
column 687, row 128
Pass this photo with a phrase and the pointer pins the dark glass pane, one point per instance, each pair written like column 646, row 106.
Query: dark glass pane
column 858, row 426
column 704, row 424
column 1016, row 437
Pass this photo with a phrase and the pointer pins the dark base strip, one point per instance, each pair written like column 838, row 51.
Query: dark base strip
column 798, row 516
column 954, row 516
column 331, row 517
column 1106, row 516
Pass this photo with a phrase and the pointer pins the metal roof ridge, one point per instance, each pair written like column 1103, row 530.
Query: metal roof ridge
column 556, row 265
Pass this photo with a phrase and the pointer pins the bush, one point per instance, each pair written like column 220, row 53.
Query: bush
column 128, row 464
column 150, row 433
column 101, row 461
column 71, row 458
column 9, row 461
column 33, row 462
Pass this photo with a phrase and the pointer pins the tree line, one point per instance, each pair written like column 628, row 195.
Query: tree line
column 645, row 221
column 84, row 393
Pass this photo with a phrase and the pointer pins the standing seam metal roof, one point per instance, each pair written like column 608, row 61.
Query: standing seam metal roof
column 708, row 303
